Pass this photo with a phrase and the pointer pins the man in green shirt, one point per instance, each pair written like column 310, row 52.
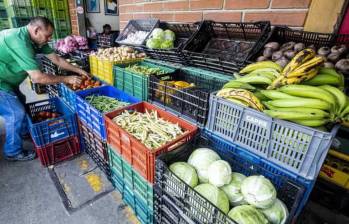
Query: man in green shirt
column 18, row 48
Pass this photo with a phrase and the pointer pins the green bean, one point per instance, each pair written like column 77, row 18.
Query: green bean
column 104, row 103
column 145, row 70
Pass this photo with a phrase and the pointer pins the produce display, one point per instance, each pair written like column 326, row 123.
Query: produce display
column 161, row 39
column 145, row 70
column 152, row 130
column 45, row 115
column 135, row 38
column 244, row 199
column 116, row 54
column 104, row 103
column 334, row 57
column 71, row 43
column 303, row 91
column 85, row 84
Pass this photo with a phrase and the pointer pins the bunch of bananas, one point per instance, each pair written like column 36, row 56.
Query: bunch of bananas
column 316, row 101
column 303, row 67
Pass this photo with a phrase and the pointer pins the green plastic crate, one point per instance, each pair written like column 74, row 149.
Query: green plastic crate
column 135, row 84
column 59, row 5
column 41, row 3
column 17, row 3
column 61, row 24
column 4, row 24
column 19, row 21
column 46, row 12
column 135, row 190
column 19, row 11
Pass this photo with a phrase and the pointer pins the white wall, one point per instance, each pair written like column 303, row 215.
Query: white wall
column 99, row 19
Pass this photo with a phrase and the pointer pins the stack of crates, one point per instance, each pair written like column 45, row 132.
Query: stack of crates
column 19, row 12
column 4, row 22
column 54, row 130
column 61, row 19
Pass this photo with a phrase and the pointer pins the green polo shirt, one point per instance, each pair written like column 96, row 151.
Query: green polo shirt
column 17, row 55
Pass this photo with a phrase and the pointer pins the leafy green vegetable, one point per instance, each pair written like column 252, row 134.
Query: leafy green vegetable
column 215, row 195
column 247, row 214
column 185, row 172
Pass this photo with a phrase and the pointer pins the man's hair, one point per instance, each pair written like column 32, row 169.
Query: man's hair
column 106, row 26
column 41, row 21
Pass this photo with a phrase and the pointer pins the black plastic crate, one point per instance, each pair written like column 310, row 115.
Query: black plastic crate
column 197, row 208
column 105, row 41
column 146, row 25
column 38, row 88
column 184, row 32
column 225, row 47
column 192, row 102
column 3, row 13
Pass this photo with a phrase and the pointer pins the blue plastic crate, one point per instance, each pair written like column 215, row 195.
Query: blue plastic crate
column 50, row 131
column 90, row 115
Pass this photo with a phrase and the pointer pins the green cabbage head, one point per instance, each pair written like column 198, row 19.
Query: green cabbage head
column 247, row 214
column 277, row 213
column 201, row 159
column 185, row 172
column 219, row 173
column 233, row 189
column 215, row 195
column 154, row 43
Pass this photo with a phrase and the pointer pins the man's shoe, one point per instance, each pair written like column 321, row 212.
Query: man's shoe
column 23, row 156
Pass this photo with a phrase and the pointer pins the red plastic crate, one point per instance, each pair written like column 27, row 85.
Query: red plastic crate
column 137, row 154
column 59, row 151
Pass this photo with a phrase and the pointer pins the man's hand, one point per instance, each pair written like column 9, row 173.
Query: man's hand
column 73, row 80
column 86, row 74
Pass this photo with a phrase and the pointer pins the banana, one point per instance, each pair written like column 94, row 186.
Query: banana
column 304, row 102
column 323, row 79
column 269, row 71
column 276, row 83
column 276, row 95
column 262, row 64
column 307, row 66
column 297, row 60
column 236, row 101
column 303, row 110
column 332, row 71
column 255, row 79
column 311, row 74
column 243, row 95
column 345, row 111
column 260, row 96
column 312, row 123
column 292, row 115
column 238, row 85
column 309, row 92
column 339, row 95
column 264, row 74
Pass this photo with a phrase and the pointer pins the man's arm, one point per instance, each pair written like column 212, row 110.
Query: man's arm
column 61, row 62
column 38, row 77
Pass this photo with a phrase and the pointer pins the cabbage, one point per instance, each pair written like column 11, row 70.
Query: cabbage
column 277, row 213
column 247, row 214
column 153, row 43
column 215, row 195
column 158, row 33
column 167, row 44
column 185, row 172
column 219, row 173
column 258, row 191
column 233, row 189
column 201, row 159
column 169, row 35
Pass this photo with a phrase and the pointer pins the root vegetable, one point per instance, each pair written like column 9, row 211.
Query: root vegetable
column 283, row 61
column 312, row 46
column 276, row 55
column 289, row 54
column 333, row 57
column 298, row 47
column 324, row 51
column 343, row 65
column 328, row 65
column 273, row 45
column 262, row 58
column 267, row 52
column 339, row 49
column 287, row 46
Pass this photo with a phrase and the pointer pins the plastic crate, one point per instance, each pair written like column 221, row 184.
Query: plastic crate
column 19, row 21
column 132, row 150
column 135, row 25
column 3, row 13
column 59, row 151
column 50, row 131
column 196, row 207
column 69, row 96
column 106, row 41
column 144, row 214
column 184, row 32
column 296, row 148
column 38, row 88
column 93, row 61
column 90, row 115
column 223, row 46
column 190, row 103
column 131, row 178
column 19, row 11
column 41, row 3
column 17, row 2
column 52, row 90
column 134, row 83
column 4, row 24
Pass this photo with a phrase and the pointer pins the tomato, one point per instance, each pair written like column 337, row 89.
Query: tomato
column 41, row 114
column 54, row 115
column 97, row 83
column 48, row 114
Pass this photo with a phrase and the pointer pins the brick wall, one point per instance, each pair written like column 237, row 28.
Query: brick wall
column 73, row 17
column 289, row 12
